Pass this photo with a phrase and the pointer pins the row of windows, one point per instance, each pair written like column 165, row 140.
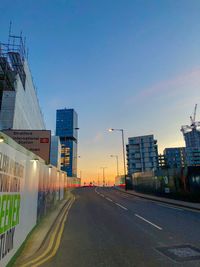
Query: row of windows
column 65, row 150
column 65, row 161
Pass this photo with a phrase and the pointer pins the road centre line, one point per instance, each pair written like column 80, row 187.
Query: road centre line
column 121, row 206
column 109, row 199
column 170, row 207
column 153, row 224
column 96, row 191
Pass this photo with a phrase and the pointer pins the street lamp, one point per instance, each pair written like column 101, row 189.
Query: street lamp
column 116, row 156
column 98, row 178
column 78, row 157
column 103, row 175
column 123, row 149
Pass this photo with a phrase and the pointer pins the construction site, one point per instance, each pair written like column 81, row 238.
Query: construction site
column 191, row 135
column 19, row 105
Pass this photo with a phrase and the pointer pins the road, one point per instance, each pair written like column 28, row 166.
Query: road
column 108, row 228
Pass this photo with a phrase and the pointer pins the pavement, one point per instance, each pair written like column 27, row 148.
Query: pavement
column 110, row 228
column 180, row 203
column 41, row 235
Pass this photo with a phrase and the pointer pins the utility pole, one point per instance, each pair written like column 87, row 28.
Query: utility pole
column 103, row 168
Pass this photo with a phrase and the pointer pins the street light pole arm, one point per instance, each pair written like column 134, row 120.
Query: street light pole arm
column 123, row 151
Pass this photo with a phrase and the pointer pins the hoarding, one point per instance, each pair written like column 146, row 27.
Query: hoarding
column 37, row 141
column 18, row 200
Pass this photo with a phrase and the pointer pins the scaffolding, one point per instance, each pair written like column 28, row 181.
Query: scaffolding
column 12, row 57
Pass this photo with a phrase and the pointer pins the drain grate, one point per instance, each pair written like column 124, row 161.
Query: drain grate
column 181, row 253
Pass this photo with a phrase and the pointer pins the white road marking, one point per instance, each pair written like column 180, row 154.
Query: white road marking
column 109, row 199
column 121, row 206
column 170, row 207
column 153, row 224
column 96, row 191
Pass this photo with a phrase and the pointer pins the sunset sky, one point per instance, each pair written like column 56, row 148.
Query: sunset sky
column 131, row 64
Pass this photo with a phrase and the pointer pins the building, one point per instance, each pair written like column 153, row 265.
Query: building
column 192, row 143
column 66, row 129
column 19, row 105
column 55, row 154
column 161, row 161
column 175, row 157
column 191, row 135
column 142, row 154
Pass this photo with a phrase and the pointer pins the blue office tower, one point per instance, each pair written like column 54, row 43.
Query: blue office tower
column 66, row 129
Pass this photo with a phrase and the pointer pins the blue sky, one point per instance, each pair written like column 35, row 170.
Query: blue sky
column 122, row 63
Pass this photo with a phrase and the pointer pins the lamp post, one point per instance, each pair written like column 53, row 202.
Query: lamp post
column 116, row 156
column 98, row 179
column 103, row 175
column 123, row 149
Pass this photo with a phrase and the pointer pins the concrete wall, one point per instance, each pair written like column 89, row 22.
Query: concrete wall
column 20, row 108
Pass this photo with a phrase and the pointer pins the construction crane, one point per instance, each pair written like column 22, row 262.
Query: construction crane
column 194, row 124
column 194, row 115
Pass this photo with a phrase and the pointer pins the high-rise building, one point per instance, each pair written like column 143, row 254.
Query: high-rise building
column 161, row 161
column 192, row 140
column 66, row 129
column 55, row 154
column 175, row 157
column 19, row 105
column 142, row 154
column 192, row 143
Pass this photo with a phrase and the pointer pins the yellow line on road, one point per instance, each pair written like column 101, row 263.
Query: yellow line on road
column 52, row 254
column 50, row 245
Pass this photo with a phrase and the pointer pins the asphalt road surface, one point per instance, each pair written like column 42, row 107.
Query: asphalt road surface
column 108, row 228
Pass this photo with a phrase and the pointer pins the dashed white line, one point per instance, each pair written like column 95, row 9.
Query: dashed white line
column 153, row 224
column 109, row 199
column 121, row 206
column 96, row 191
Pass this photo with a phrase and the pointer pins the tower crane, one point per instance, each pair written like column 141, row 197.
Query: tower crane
column 194, row 115
column 194, row 124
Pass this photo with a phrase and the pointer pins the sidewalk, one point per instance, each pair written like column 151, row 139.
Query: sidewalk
column 180, row 203
column 40, row 233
